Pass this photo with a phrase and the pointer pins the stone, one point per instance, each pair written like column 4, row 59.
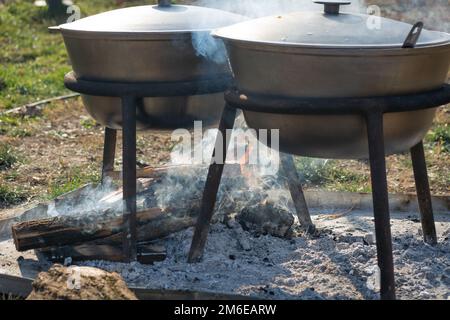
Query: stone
column 266, row 218
column 79, row 283
column 369, row 239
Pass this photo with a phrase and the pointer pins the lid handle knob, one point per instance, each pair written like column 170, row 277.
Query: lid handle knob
column 164, row 3
column 332, row 6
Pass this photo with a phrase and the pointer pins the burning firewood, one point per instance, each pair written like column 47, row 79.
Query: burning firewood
column 60, row 231
column 102, row 223
column 147, row 172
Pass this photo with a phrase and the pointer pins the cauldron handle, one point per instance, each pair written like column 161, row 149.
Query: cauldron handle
column 413, row 35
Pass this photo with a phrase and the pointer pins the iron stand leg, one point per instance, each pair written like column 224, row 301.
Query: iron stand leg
column 381, row 204
column 296, row 190
column 423, row 194
column 129, row 176
column 109, row 152
column 212, row 186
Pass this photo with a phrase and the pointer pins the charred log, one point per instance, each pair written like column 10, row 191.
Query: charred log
column 61, row 231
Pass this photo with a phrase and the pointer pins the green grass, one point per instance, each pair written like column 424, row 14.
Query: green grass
column 10, row 197
column 13, row 126
column 88, row 123
column 33, row 62
column 75, row 179
column 327, row 174
column 7, row 157
column 439, row 137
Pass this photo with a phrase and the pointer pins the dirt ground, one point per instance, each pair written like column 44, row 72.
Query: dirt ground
column 338, row 263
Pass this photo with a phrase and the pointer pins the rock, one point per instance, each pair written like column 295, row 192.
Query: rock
column 373, row 280
column 350, row 239
column 424, row 295
column 79, row 283
column 445, row 280
column 266, row 218
column 446, row 235
column 369, row 239
column 67, row 261
column 244, row 243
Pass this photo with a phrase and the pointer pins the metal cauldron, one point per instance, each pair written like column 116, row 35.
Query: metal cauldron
column 145, row 44
column 334, row 54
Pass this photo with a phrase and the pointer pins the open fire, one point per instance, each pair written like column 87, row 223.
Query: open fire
column 168, row 201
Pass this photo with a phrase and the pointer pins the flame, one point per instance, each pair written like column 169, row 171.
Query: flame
column 247, row 169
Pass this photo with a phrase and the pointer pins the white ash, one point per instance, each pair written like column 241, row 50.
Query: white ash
column 330, row 266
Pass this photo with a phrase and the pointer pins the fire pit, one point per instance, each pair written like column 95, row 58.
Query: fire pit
column 372, row 110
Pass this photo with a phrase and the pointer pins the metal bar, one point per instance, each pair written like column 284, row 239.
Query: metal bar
column 212, row 187
column 129, row 176
column 219, row 83
column 109, row 152
column 16, row 285
column 296, row 190
column 327, row 106
column 381, row 204
column 423, row 194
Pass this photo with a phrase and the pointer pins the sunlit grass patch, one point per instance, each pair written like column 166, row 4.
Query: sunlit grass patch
column 73, row 180
column 7, row 157
column 33, row 61
column 16, row 127
column 439, row 137
column 329, row 175
column 10, row 196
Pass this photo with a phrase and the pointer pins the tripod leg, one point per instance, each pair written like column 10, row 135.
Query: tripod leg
column 296, row 190
column 423, row 194
column 381, row 204
column 109, row 152
column 211, row 187
column 129, row 176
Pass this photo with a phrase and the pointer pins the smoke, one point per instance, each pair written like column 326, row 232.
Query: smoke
column 214, row 49
column 261, row 8
column 435, row 15
column 242, row 184
column 206, row 46
column 94, row 201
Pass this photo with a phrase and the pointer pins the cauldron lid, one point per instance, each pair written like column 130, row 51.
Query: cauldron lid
column 145, row 21
column 329, row 29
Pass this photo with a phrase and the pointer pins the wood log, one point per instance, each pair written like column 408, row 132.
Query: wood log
column 106, row 227
column 158, row 172
column 147, row 172
column 70, row 230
